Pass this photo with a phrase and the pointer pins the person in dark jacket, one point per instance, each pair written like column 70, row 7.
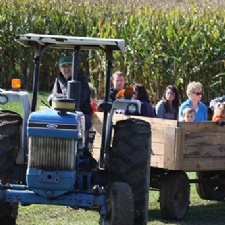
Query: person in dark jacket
column 60, row 88
column 118, row 81
column 140, row 93
column 118, row 84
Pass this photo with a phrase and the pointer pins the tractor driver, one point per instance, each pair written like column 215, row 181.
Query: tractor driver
column 60, row 88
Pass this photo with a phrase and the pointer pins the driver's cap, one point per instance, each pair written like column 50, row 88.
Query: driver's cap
column 65, row 60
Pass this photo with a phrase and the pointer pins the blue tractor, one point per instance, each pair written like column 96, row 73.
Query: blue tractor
column 42, row 151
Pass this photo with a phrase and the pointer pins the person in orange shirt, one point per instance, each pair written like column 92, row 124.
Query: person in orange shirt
column 94, row 104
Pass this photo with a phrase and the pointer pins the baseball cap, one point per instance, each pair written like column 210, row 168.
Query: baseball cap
column 65, row 60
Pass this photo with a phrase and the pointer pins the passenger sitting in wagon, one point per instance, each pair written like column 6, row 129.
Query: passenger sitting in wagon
column 214, row 101
column 188, row 115
column 168, row 107
column 140, row 93
column 194, row 93
column 219, row 113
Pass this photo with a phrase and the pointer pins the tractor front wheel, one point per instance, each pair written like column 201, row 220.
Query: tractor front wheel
column 130, row 162
column 120, row 205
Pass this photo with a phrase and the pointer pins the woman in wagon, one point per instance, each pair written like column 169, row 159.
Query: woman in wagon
column 168, row 107
column 140, row 93
column 194, row 93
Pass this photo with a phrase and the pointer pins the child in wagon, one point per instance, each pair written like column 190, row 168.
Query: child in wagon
column 188, row 114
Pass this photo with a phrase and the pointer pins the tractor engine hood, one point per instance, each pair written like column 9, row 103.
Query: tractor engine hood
column 52, row 150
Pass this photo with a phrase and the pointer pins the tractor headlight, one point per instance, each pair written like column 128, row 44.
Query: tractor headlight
column 3, row 99
column 132, row 108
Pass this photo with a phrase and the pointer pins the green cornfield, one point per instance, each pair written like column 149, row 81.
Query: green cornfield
column 167, row 42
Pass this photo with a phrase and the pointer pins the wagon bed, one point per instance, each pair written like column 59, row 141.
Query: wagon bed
column 177, row 145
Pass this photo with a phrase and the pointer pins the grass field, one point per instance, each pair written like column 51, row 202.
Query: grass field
column 200, row 211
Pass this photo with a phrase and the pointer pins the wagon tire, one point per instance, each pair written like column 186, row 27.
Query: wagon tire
column 211, row 189
column 130, row 162
column 174, row 195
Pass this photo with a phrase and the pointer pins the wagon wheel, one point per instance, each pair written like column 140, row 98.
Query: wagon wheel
column 212, row 188
column 121, row 205
column 174, row 195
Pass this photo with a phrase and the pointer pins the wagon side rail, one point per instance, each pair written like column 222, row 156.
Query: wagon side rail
column 203, row 146
column 197, row 146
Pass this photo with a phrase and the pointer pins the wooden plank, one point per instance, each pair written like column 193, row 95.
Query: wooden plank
column 158, row 148
column 201, row 164
column 157, row 161
column 97, row 126
column 205, row 138
column 169, row 152
column 158, row 141
column 97, row 118
column 97, row 142
column 199, row 127
column 155, row 122
column 179, row 148
column 158, row 135
column 158, row 123
column 204, row 151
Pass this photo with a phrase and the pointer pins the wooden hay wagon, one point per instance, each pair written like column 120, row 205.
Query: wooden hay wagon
column 178, row 148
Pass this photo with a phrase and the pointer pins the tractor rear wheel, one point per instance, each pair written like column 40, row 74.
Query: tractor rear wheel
column 130, row 162
column 9, row 147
